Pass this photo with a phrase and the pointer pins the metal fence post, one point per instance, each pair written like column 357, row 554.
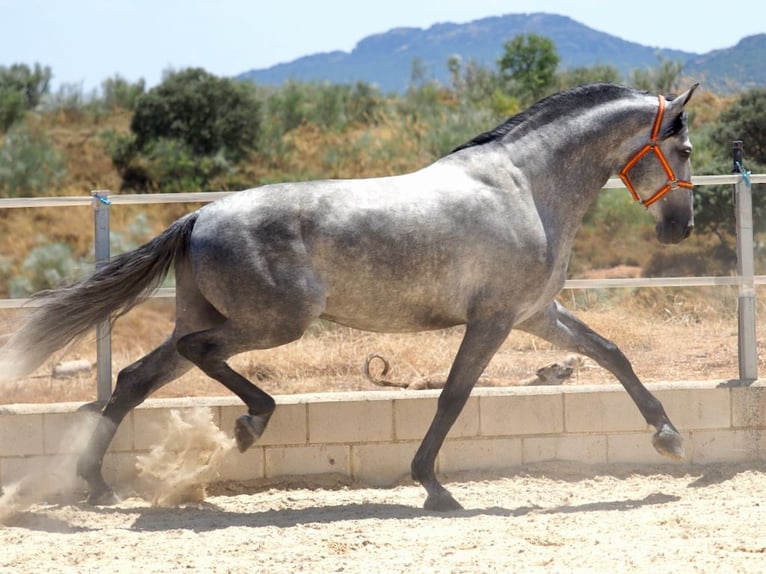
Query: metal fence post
column 101, row 203
column 743, row 206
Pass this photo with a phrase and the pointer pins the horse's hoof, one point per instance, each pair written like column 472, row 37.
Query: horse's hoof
column 442, row 502
column 104, row 497
column 669, row 443
column 249, row 429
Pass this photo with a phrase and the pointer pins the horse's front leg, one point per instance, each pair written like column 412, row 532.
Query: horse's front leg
column 480, row 342
column 563, row 329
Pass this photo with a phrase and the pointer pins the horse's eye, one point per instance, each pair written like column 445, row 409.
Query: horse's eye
column 686, row 152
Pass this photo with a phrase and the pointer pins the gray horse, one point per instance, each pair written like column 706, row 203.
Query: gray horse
column 481, row 238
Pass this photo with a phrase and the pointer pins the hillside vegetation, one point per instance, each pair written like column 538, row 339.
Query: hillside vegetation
column 196, row 132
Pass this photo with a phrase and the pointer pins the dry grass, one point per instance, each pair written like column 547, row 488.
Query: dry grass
column 666, row 337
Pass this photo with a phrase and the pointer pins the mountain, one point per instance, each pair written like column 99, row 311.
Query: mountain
column 386, row 59
column 736, row 68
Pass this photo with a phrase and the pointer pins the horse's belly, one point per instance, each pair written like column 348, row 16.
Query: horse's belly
column 393, row 324
column 395, row 308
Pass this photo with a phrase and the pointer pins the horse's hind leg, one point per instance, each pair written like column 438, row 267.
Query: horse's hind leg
column 134, row 383
column 210, row 349
column 563, row 329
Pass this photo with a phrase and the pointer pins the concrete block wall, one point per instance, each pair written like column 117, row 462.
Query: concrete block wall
column 372, row 436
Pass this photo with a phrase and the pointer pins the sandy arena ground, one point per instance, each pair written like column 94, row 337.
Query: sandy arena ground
column 555, row 517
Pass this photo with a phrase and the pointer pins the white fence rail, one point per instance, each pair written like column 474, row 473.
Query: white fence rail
column 745, row 278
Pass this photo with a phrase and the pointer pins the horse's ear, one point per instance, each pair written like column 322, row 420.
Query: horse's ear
column 677, row 104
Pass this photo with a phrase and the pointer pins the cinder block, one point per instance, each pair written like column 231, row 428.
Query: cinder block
column 374, row 436
column 120, row 470
column 288, row 424
column 413, row 416
column 607, row 411
column 521, row 414
column 350, row 422
column 62, row 432
column 42, row 475
column 147, row 427
column 230, row 413
column 585, row 448
column 123, row 439
column 29, row 469
column 150, row 423
column 637, row 448
column 300, row 460
column 380, row 464
column 701, row 408
column 242, row 465
column 21, row 434
column 479, row 454
column 738, row 445
column 748, row 406
column 69, row 433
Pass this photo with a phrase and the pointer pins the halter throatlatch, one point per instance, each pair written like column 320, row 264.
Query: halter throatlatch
column 653, row 147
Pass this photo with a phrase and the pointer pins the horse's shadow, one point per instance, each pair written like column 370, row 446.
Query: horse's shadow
column 208, row 517
column 43, row 522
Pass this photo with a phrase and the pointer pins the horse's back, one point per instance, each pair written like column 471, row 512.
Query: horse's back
column 396, row 254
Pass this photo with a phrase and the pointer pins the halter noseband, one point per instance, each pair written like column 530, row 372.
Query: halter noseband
column 653, row 146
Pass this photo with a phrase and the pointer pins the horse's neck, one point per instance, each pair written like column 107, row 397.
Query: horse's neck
column 568, row 162
column 564, row 164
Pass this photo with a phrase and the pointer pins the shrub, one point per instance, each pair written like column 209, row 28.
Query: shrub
column 48, row 265
column 207, row 114
column 30, row 165
column 186, row 133
column 12, row 108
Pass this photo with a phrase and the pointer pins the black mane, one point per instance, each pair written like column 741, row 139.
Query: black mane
column 560, row 103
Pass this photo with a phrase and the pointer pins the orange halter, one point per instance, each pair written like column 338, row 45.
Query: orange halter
column 652, row 146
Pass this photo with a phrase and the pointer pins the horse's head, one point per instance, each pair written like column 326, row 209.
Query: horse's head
column 658, row 174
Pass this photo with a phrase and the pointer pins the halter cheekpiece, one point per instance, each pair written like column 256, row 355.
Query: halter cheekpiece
column 653, row 147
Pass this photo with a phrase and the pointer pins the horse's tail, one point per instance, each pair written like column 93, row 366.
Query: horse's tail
column 66, row 313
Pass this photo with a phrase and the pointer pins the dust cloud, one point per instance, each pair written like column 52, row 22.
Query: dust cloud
column 52, row 478
column 179, row 468
column 175, row 471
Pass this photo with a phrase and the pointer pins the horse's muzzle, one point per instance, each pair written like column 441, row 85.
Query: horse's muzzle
column 671, row 231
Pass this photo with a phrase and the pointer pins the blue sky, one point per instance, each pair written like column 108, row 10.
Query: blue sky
column 87, row 41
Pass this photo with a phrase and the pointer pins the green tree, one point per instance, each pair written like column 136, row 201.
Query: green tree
column 33, row 83
column 663, row 79
column 528, row 66
column 120, row 93
column 21, row 89
column 744, row 120
column 455, row 65
column 190, row 130
column 206, row 113
column 12, row 108
column 587, row 75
